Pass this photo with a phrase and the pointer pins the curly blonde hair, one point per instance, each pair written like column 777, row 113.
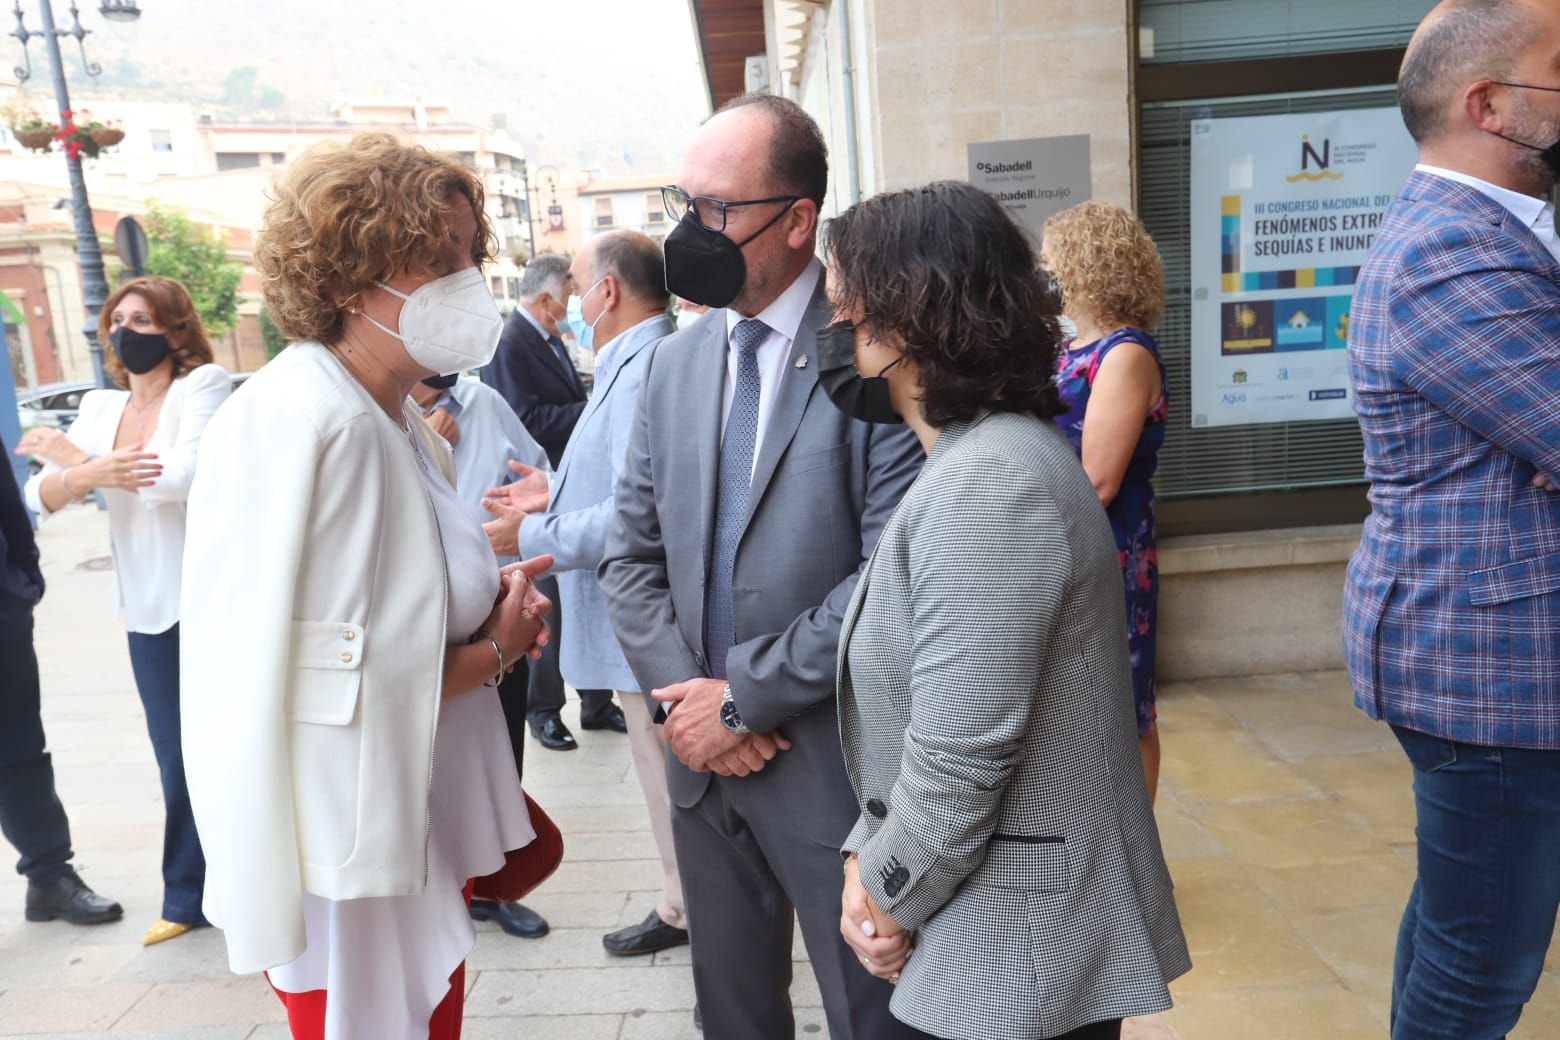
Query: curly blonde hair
column 347, row 216
column 1106, row 266
column 173, row 310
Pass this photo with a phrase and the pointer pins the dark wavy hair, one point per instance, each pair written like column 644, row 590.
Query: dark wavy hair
column 946, row 271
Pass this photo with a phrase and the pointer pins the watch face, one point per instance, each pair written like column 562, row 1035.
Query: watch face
column 728, row 716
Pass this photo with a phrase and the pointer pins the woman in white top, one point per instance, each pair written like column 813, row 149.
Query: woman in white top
column 345, row 618
column 137, row 445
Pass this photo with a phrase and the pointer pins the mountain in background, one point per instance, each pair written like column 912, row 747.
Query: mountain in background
column 612, row 85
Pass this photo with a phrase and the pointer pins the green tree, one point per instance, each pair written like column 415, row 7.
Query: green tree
column 275, row 339
column 197, row 257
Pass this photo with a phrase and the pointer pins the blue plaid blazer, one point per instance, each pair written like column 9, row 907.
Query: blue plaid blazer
column 1452, row 603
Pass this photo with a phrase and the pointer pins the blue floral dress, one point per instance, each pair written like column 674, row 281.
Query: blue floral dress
column 1131, row 513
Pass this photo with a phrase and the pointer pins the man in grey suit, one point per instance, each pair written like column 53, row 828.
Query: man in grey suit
column 747, row 507
column 622, row 311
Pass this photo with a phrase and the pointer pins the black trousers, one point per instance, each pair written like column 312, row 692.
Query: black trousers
column 512, row 695
column 546, row 692
column 31, row 816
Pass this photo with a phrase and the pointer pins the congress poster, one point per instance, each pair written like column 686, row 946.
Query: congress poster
column 1283, row 211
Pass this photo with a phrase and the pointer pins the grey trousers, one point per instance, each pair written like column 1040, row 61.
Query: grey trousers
column 748, row 871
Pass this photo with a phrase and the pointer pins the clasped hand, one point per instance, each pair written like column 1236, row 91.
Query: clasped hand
column 882, row 947
column 699, row 740
column 517, row 619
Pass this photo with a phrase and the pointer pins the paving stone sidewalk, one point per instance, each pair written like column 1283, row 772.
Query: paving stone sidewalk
column 1285, row 814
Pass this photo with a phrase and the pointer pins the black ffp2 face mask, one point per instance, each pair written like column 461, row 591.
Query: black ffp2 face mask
column 705, row 266
column 861, row 397
column 139, row 352
column 1550, row 154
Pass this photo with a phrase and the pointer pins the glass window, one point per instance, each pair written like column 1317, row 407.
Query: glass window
column 655, row 210
column 237, row 160
column 162, row 140
column 1225, row 30
column 604, row 211
column 1228, row 459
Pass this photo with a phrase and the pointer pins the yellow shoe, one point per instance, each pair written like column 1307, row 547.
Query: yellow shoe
column 162, row 931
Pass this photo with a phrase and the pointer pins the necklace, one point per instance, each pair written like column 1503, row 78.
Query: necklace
column 137, row 415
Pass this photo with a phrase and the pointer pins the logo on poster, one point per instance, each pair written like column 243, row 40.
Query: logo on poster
column 1322, row 159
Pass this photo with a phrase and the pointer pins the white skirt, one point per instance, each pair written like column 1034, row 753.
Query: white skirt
column 385, row 963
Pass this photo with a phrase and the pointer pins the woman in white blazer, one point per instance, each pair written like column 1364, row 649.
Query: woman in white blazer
column 137, row 446
column 346, row 619
column 985, row 700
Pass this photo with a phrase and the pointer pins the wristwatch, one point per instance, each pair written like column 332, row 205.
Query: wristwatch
column 729, row 716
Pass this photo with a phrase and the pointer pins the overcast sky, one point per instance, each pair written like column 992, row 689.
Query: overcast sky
column 607, row 83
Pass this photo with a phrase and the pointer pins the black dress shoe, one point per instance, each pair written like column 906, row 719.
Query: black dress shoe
column 68, row 898
column 513, row 918
column 552, row 734
column 610, row 717
column 648, row 936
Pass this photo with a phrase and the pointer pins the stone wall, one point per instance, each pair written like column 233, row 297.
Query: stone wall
column 945, row 73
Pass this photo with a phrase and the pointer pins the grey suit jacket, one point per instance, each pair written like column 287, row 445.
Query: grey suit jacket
column 823, row 487
column 574, row 530
column 986, row 718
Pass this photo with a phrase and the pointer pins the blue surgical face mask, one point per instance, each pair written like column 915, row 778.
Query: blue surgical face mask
column 584, row 332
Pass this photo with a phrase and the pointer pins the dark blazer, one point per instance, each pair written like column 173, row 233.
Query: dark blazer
column 21, row 580
column 823, row 487
column 545, row 393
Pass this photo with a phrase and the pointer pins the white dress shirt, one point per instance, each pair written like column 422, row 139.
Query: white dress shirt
column 784, row 318
column 1537, row 215
column 146, row 527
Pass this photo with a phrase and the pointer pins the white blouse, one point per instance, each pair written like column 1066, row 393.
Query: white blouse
column 146, row 528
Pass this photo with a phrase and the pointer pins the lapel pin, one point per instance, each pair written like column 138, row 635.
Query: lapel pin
column 801, row 362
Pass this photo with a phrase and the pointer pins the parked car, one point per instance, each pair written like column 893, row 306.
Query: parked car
column 53, row 404
column 56, row 404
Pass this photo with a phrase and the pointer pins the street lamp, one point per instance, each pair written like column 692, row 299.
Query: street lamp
column 89, row 253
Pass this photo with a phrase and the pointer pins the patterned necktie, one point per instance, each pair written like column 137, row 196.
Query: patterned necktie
column 731, row 495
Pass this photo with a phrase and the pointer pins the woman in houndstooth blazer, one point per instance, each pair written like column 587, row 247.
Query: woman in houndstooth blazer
column 985, row 698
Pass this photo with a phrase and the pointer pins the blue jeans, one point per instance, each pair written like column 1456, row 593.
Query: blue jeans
column 155, row 661
column 1482, row 910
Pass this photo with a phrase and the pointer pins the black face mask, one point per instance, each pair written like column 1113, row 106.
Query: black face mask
column 441, row 382
column 1551, row 153
column 705, row 266
column 139, row 352
column 861, row 397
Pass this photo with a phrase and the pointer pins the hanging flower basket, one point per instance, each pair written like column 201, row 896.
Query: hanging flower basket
column 77, row 141
column 36, row 137
column 106, row 136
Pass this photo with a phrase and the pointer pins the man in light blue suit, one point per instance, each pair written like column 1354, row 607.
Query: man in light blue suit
column 621, row 312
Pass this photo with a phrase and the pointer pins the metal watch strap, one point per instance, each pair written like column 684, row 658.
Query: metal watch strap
column 729, row 713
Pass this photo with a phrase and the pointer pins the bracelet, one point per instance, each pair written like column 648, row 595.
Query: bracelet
column 498, row 676
column 65, row 483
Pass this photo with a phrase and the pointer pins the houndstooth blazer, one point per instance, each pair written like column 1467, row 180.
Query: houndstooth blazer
column 986, row 717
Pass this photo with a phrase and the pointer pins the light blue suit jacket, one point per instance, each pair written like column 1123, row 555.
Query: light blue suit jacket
column 575, row 531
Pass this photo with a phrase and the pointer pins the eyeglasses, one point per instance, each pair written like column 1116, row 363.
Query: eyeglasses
column 710, row 213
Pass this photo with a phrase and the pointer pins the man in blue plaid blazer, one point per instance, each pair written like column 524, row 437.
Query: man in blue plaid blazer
column 1452, row 605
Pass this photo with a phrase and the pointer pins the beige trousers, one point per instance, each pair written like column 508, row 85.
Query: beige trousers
column 648, row 746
